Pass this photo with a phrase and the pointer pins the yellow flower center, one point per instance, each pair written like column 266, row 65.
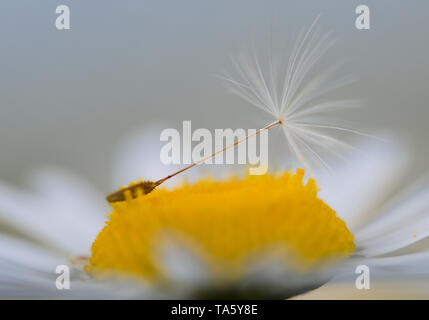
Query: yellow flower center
column 225, row 224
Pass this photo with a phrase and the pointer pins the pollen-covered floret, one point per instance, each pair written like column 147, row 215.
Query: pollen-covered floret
column 225, row 223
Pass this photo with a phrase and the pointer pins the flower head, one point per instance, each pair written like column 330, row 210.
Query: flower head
column 27, row 265
column 226, row 226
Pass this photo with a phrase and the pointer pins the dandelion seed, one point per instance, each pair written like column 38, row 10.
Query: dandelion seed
column 291, row 108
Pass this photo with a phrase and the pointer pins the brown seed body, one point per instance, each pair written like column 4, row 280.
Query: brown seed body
column 134, row 190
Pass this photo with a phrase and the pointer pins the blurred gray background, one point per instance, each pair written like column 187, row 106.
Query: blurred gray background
column 68, row 98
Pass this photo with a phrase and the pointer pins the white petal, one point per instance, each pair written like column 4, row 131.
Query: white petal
column 181, row 265
column 357, row 186
column 400, row 238
column 137, row 156
column 29, row 271
column 24, row 253
column 63, row 212
column 33, row 285
column 403, row 221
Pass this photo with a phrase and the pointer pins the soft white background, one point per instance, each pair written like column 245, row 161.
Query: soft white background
column 68, row 98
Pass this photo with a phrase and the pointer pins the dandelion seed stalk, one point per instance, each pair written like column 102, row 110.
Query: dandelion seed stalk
column 145, row 187
column 294, row 107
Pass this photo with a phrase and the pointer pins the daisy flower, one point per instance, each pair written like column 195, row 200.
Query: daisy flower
column 213, row 245
column 269, row 236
